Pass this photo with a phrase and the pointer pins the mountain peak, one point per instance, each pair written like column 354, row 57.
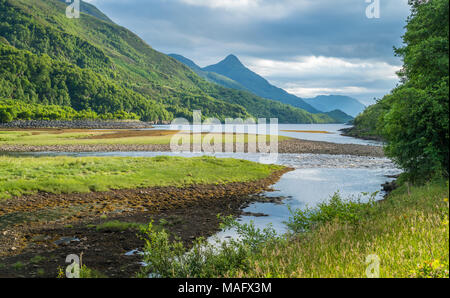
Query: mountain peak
column 232, row 59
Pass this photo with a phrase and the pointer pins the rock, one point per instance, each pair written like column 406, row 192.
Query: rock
column 389, row 186
column 66, row 240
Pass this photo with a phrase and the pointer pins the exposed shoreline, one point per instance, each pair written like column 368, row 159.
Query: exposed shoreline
column 191, row 213
column 286, row 146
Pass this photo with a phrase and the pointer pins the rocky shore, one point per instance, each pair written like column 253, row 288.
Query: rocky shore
column 286, row 146
column 40, row 230
column 75, row 124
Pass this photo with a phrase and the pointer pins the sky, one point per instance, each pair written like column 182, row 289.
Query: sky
column 308, row 47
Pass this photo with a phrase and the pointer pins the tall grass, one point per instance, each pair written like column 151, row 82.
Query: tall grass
column 408, row 233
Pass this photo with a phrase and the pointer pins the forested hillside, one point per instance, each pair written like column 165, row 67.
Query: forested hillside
column 92, row 63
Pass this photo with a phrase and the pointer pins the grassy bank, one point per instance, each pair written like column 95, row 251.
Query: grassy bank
column 27, row 175
column 409, row 233
column 48, row 137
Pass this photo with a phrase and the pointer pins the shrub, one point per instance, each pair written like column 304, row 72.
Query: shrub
column 336, row 209
column 172, row 259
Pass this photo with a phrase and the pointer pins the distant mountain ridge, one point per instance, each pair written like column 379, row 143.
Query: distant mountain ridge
column 328, row 103
column 233, row 68
column 235, row 75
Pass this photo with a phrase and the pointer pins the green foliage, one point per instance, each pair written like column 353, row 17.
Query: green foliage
column 40, row 80
column 86, row 272
column 18, row 265
column 6, row 115
column 17, row 110
column 336, row 209
column 416, row 125
column 367, row 123
column 172, row 259
column 91, row 63
column 413, row 119
column 250, row 236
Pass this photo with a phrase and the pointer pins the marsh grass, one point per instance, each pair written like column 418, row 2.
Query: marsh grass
column 27, row 175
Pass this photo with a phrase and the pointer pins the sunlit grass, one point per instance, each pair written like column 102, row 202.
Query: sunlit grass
column 25, row 175
column 407, row 232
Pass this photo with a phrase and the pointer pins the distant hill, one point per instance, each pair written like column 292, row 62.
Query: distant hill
column 340, row 116
column 328, row 103
column 232, row 68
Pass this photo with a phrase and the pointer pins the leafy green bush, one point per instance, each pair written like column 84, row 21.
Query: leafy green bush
column 5, row 115
column 172, row 259
column 336, row 209
column 417, row 124
column 17, row 110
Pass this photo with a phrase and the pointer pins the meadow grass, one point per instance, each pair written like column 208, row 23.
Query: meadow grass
column 409, row 233
column 27, row 175
column 80, row 137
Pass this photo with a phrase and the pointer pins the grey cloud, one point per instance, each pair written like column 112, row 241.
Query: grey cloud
column 264, row 29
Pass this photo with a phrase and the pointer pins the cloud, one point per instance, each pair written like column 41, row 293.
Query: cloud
column 309, row 76
column 305, row 45
column 225, row 4
column 319, row 66
column 253, row 9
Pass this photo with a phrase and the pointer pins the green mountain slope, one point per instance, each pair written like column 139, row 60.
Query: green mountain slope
column 208, row 75
column 92, row 63
column 335, row 113
column 232, row 68
column 92, row 10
